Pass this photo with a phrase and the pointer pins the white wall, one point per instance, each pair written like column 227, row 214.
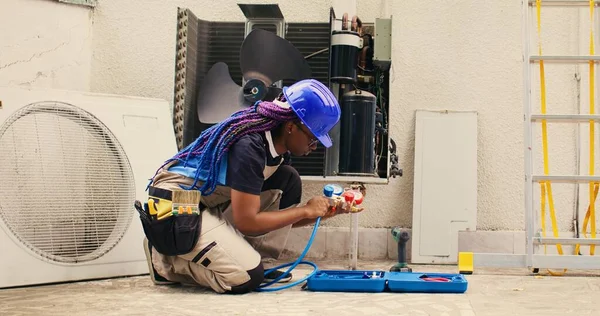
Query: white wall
column 458, row 55
column 46, row 44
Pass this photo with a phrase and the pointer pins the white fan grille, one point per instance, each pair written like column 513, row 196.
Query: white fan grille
column 66, row 186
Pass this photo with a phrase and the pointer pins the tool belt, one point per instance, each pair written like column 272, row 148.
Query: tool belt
column 170, row 230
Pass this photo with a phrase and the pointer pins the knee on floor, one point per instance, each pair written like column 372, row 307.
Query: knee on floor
column 257, row 276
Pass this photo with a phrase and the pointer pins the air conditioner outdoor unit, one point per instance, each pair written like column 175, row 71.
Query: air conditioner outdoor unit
column 72, row 165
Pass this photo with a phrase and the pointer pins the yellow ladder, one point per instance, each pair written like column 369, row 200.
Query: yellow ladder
column 545, row 180
column 537, row 236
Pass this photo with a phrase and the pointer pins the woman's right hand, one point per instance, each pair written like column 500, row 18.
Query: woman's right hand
column 318, row 206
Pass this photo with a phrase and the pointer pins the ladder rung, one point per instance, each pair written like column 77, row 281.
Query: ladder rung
column 565, row 58
column 566, row 178
column 565, row 241
column 565, row 118
column 563, row 3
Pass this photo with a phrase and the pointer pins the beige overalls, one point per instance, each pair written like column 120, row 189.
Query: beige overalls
column 230, row 254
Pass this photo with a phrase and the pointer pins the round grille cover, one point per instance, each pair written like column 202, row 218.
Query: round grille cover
column 66, row 186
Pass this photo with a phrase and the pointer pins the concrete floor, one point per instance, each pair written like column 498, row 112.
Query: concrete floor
column 490, row 292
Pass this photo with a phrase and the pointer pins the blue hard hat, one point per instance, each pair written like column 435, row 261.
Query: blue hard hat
column 316, row 106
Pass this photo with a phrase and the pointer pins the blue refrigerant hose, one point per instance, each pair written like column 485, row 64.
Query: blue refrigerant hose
column 265, row 286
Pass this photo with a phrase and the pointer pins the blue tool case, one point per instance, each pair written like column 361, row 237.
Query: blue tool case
column 380, row 281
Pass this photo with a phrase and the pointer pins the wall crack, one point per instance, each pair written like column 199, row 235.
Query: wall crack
column 38, row 55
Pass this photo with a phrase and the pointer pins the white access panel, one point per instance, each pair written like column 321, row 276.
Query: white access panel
column 445, row 183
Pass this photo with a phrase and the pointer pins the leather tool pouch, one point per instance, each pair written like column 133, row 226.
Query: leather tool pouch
column 171, row 236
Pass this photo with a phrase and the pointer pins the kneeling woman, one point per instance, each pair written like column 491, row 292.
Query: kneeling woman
column 250, row 193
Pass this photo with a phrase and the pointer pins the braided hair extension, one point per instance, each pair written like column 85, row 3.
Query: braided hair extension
column 215, row 141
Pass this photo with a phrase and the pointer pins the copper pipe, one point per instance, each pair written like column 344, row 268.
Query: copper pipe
column 362, row 61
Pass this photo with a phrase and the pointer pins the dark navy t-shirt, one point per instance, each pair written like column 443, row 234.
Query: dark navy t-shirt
column 247, row 160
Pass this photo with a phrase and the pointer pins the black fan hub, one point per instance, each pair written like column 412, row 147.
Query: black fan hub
column 254, row 90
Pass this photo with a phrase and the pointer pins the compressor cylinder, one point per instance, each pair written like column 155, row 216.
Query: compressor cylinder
column 344, row 55
column 357, row 134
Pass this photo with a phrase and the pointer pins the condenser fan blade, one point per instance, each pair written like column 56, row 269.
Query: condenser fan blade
column 219, row 95
column 270, row 58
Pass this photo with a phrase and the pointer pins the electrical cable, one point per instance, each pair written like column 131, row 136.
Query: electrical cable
column 590, row 217
column 292, row 265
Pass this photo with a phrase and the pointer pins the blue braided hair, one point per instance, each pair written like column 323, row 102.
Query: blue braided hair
column 215, row 141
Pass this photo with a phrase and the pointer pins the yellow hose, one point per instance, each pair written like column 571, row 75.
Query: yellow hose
column 590, row 216
column 545, row 186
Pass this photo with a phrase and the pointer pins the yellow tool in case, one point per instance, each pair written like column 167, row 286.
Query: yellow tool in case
column 171, row 220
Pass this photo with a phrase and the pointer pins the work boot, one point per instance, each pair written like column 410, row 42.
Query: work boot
column 157, row 279
column 275, row 274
